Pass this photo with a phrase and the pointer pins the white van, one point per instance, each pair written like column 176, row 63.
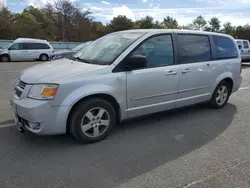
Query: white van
column 244, row 47
column 23, row 49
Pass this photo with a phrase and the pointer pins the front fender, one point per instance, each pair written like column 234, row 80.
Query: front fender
column 118, row 94
column 88, row 90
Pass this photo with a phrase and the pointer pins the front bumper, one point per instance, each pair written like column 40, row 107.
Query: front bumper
column 48, row 120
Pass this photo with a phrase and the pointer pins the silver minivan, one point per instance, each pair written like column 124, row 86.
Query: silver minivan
column 26, row 49
column 124, row 75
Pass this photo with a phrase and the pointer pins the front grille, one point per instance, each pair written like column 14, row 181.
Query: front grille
column 22, row 121
column 21, row 84
column 18, row 93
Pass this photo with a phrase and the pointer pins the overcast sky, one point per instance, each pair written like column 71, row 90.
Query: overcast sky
column 237, row 12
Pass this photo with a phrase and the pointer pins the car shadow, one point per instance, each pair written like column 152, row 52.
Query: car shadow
column 135, row 147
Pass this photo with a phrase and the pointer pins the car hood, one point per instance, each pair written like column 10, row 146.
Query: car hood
column 51, row 72
column 62, row 52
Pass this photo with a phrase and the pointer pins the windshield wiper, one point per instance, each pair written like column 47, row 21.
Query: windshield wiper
column 81, row 60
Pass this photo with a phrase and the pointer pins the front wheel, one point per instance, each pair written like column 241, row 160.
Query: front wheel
column 5, row 58
column 92, row 120
column 221, row 95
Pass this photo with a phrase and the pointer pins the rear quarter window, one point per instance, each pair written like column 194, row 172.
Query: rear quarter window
column 42, row 46
column 246, row 44
column 224, row 48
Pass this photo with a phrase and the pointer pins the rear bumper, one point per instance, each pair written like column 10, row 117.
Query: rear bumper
column 48, row 120
column 237, row 84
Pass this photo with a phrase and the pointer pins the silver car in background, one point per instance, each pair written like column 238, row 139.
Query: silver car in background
column 60, row 54
column 26, row 49
column 124, row 75
column 244, row 47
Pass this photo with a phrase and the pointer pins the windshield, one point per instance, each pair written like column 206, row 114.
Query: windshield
column 238, row 42
column 105, row 50
column 79, row 47
column 9, row 45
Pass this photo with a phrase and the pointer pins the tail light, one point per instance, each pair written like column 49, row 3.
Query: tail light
column 240, row 67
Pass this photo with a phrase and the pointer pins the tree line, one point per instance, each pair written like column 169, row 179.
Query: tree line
column 63, row 21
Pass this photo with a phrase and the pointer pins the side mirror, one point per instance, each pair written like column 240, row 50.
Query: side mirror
column 136, row 62
column 239, row 46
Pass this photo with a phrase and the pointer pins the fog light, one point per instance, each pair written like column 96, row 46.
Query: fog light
column 34, row 125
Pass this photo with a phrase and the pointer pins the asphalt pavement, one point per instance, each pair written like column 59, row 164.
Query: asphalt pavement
column 194, row 147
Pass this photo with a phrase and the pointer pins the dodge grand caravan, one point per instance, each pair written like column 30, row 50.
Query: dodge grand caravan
column 123, row 75
column 23, row 49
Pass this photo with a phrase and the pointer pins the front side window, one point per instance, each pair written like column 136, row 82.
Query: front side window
column 245, row 44
column 158, row 51
column 224, row 48
column 193, row 48
column 17, row 46
column 105, row 50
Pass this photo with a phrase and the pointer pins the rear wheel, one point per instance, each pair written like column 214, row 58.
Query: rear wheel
column 5, row 58
column 44, row 57
column 92, row 120
column 221, row 95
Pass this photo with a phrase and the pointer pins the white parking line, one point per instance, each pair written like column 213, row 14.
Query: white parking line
column 243, row 88
column 7, row 125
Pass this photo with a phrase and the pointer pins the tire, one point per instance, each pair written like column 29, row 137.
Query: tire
column 96, row 127
column 5, row 58
column 223, row 90
column 44, row 57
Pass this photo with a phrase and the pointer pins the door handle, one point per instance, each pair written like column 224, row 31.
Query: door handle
column 185, row 71
column 170, row 72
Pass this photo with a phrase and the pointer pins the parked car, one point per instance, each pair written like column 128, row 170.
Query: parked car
column 68, row 53
column 23, row 49
column 124, row 75
column 244, row 47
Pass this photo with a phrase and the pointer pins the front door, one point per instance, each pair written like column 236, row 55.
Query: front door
column 153, row 88
column 16, row 52
column 195, row 66
column 31, row 50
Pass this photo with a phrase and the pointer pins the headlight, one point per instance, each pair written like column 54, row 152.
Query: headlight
column 43, row 91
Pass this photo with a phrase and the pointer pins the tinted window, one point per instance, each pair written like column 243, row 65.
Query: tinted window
column 29, row 46
column 158, row 51
column 35, row 46
column 18, row 46
column 193, row 48
column 43, row 46
column 245, row 44
column 224, row 48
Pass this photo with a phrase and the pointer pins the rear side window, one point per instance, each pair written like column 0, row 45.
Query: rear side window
column 193, row 48
column 35, row 46
column 224, row 48
column 30, row 46
column 42, row 46
column 245, row 44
